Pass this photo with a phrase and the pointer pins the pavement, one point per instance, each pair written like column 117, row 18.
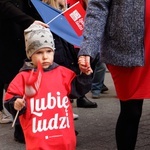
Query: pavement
column 96, row 126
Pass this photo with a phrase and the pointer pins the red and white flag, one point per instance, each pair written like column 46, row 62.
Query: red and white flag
column 75, row 16
column 32, row 85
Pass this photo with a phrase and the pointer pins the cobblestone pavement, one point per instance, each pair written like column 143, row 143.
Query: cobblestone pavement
column 96, row 126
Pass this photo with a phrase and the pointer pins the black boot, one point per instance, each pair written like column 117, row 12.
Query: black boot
column 18, row 134
column 85, row 103
column 104, row 88
column 76, row 132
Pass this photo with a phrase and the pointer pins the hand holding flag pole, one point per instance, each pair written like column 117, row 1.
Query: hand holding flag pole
column 31, row 86
column 17, row 114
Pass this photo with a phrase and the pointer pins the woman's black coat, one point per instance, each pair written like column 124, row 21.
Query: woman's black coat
column 15, row 16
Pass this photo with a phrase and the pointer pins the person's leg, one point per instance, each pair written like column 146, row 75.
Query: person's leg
column 4, row 118
column 6, row 115
column 98, row 79
column 127, row 124
column 18, row 133
column 1, row 96
column 84, row 102
column 104, row 88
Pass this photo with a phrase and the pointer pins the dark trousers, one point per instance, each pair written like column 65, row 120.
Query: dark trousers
column 1, row 96
column 2, row 87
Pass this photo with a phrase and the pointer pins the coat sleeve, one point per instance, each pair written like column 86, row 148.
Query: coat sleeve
column 9, row 105
column 13, row 11
column 15, row 90
column 95, row 20
column 80, row 85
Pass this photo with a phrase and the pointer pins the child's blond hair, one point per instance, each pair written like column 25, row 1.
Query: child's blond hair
column 58, row 4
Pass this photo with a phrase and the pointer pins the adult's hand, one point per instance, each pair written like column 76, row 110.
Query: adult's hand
column 41, row 23
column 84, row 64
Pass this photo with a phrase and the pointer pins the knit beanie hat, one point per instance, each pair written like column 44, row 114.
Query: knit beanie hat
column 37, row 37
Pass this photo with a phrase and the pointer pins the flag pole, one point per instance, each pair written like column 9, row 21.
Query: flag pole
column 62, row 13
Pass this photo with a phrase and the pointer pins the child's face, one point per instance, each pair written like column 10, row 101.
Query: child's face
column 44, row 55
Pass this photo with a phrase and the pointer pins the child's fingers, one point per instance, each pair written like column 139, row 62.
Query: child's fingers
column 84, row 64
column 81, row 60
column 89, row 71
column 19, row 104
column 87, row 61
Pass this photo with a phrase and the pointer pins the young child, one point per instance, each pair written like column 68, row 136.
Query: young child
column 47, row 117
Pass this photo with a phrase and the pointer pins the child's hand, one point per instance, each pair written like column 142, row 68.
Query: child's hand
column 19, row 104
column 84, row 64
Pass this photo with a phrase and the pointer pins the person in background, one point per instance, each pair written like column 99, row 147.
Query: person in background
column 4, row 117
column 46, row 116
column 15, row 16
column 66, row 55
column 98, row 85
column 122, row 29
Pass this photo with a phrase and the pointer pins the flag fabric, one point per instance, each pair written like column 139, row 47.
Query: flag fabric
column 31, row 86
column 57, row 22
column 75, row 16
column 34, row 81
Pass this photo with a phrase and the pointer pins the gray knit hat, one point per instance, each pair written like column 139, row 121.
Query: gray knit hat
column 37, row 37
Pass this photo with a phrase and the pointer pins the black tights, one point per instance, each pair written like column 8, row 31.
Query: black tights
column 127, row 124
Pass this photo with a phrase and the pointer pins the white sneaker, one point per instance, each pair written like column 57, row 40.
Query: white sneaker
column 75, row 116
column 4, row 118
